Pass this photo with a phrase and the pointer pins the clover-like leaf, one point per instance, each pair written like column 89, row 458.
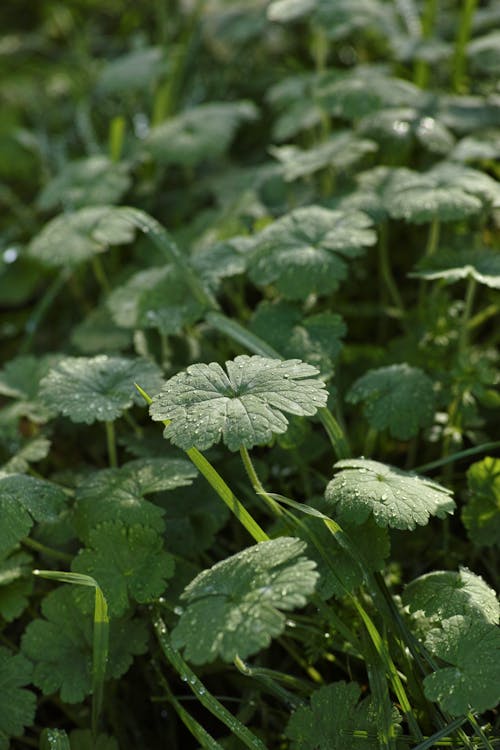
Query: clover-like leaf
column 306, row 250
column 70, row 239
column 119, row 493
column 331, row 719
column 243, row 407
column 17, row 705
column 128, row 562
column 60, row 645
column 134, row 71
column 236, row 607
column 156, row 298
column 16, row 584
column 481, row 265
column 87, row 182
column 472, row 648
column 199, row 133
column 399, row 398
column 340, row 152
column 394, row 497
column 406, row 126
column 315, row 339
column 23, row 500
column 481, row 513
column 222, row 260
column 101, row 388
column 445, row 593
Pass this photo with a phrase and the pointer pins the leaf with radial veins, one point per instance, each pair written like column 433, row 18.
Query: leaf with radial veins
column 128, row 562
column 70, row 239
column 236, row 607
column 399, row 398
column 394, row 497
column 471, row 646
column 101, row 388
column 119, row 493
column 306, row 251
column 243, row 407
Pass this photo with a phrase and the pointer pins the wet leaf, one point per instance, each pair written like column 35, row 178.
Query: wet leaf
column 481, row 512
column 87, row 182
column 17, row 705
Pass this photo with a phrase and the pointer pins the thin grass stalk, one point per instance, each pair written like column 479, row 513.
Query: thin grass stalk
column 111, row 444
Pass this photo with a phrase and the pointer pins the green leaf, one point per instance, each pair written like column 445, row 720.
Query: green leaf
column 60, row 645
column 484, row 53
column 70, row 239
column 306, row 250
column 399, row 398
column 17, row 705
column 331, row 719
column 135, row 71
column 128, row 562
column 395, row 498
column 234, row 608
column 200, row 133
column 222, row 260
column 54, row 739
column 83, row 739
column 119, row 493
column 407, row 126
column 156, row 298
column 284, row 11
column 244, row 407
column 16, row 584
column 315, row 339
column 20, row 380
column 89, row 389
column 87, row 182
column 31, row 452
column 444, row 593
column 472, row 648
column 340, row 152
column 481, row 265
column 479, row 146
column 481, row 513
column 23, row 500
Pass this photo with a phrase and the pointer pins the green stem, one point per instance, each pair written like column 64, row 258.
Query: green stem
column 257, row 484
column 432, row 741
column 386, row 271
column 422, row 72
column 464, row 30
column 47, row 551
column 100, row 274
column 468, row 305
column 111, row 442
column 116, row 138
column 206, row 698
column 483, row 448
column 433, row 237
column 268, row 678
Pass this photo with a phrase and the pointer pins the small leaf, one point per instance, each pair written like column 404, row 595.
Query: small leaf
column 444, row 593
column 481, row 513
column 394, row 497
column 472, row 647
column 331, row 719
column 23, row 500
column 399, row 398
column 89, row 389
column 234, row 608
column 407, row 126
column 87, row 182
column 284, row 11
column 135, row 71
column 20, row 380
column 17, row 705
column 306, row 250
column 156, row 298
column 200, row 133
column 60, row 645
column 481, row 265
column 70, row 239
column 119, row 493
column 480, row 146
column 484, row 53
column 244, row 407
column 128, row 562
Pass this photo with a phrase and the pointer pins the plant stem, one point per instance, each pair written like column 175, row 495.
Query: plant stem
column 433, row 237
column 464, row 324
column 257, row 484
column 483, row 448
column 116, row 138
column 386, row 271
column 100, row 274
column 44, row 550
column 111, row 443
column 206, row 698
column 464, row 29
column 421, row 74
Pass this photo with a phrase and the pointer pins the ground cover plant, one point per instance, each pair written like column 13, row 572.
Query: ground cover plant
column 249, row 407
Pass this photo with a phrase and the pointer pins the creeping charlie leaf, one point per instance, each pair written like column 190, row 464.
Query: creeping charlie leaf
column 399, row 398
column 331, row 719
column 234, row 608
column 23, row 500
column 70, row 239
column 394, row 497
column 307, row 250
column 472, row 647
column 60, row 646
column 17, row 705
column 89, row 389
column 119, row 493
column 128, row 562
column 244, row 407
column 481, row 513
